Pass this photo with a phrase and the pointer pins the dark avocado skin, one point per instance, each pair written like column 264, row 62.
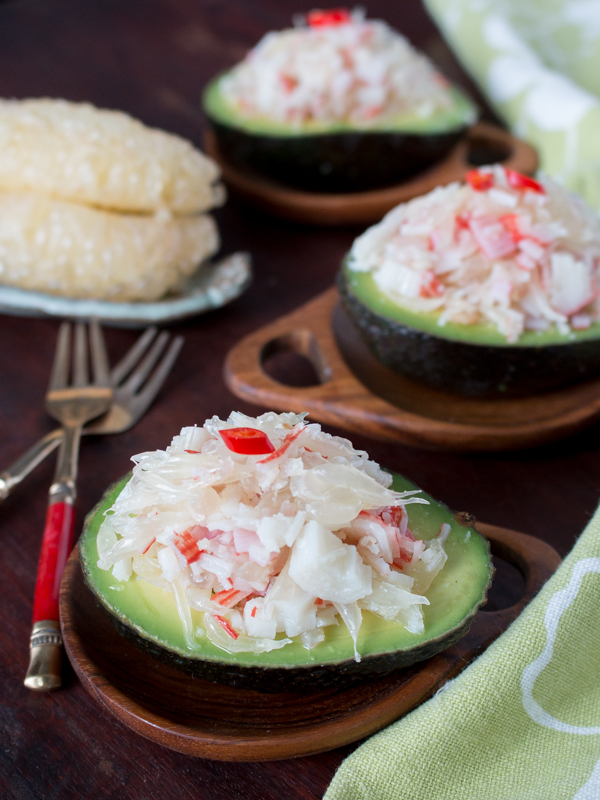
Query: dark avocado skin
column 472, row 370
column 334, row 162
column 276, row 678
column 298, row 679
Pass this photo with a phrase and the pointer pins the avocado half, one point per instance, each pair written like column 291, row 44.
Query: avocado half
column 470, row 360
column 335, row 157
column 147, row 615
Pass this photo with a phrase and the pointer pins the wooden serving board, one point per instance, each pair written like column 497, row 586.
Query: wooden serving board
column 357, row 392
column 364, row 208
column 214, row 721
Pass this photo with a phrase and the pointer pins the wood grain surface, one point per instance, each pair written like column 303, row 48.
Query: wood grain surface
column 209, row 720
column 365, row 208
column 151, row 58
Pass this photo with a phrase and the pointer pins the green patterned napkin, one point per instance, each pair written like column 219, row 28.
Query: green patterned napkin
column 521, row 723
column 538, row 63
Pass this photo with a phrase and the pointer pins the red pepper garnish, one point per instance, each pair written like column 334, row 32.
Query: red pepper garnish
column 520, row 181
column 253, row 612
column 332, row 16
column 480, row 181
column 226, row 627
column 193, row 452
column 187, row 546
column 291, row 436
column 247, row 441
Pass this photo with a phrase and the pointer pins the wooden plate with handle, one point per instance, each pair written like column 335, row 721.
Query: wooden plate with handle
column 214, row 721
column 353, row 390
column 483, row 143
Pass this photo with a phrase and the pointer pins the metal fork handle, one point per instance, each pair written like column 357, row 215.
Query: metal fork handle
column 12, row 476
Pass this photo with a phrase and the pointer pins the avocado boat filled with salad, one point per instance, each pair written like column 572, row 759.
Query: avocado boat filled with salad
column 487, row 288
column 265, row 553
column 338, row 103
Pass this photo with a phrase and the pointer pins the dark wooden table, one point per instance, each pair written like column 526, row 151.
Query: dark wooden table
column 151, row 58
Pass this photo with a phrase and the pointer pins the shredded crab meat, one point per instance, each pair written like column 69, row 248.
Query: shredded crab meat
column 270, row 548
column 502, row 249
column 353, row 70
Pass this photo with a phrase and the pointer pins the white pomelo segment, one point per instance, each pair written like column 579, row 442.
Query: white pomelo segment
column 79, row 153
column 431, row 562
column 107, row 539
column 59, row 247
column 123, row 569
column 571, row 283
column 242, row 644
column 327, row 568
column 335, row 493
column 291, row 606
column 278, row 531
column 352, row 616
column 392, row 599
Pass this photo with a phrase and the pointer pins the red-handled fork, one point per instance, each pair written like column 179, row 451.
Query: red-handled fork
column 72, row 406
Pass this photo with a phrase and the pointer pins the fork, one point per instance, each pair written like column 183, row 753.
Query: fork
column 72, row 405
column 130, row 401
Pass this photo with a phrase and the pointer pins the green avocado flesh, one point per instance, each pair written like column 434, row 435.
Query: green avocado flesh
column 337, row 156
column 473, row 360
column 218, row 107
column 148, row 615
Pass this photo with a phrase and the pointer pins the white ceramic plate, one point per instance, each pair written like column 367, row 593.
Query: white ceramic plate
column 212, row 286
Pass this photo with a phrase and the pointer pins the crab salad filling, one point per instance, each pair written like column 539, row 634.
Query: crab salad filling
column 271, row 529
column 336, row 66
column 502, row 249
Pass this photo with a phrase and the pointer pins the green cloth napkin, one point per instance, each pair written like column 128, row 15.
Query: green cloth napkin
column 538, row 63
column 521, row 723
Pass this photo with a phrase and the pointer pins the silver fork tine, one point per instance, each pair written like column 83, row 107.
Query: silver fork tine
column 99, row 355
column 60, row 367
column 139, row 375
column 151, row 389
column 128, row 362
column 80, row 370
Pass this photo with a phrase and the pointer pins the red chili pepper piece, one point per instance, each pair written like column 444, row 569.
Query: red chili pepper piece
column 332, row 16
column 226, row 626
column 480, row 181
column 247, row 441
column 519, row 181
